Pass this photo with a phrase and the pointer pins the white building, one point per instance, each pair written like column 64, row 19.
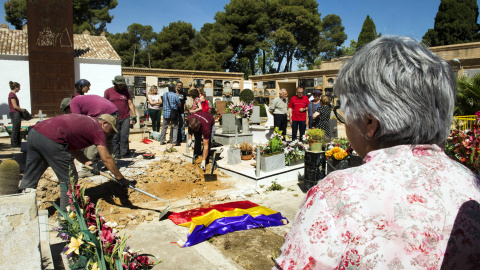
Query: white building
column 95, row 60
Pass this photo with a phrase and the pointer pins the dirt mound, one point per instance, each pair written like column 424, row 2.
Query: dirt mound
column 165, row 179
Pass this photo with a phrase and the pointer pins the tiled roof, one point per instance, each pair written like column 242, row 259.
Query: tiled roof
column 15, row 42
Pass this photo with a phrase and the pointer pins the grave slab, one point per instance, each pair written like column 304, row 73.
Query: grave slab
column 255, row 117
column 229, row 139
column 19, row 231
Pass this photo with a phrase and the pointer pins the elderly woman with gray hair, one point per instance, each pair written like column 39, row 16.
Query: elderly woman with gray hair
column 408, row 201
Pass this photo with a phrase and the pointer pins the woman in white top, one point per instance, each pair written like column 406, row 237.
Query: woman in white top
column 154, row 102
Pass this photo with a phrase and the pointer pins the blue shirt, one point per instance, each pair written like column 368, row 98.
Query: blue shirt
column 170, row 102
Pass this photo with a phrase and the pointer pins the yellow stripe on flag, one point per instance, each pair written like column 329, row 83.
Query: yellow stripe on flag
column 214, row 214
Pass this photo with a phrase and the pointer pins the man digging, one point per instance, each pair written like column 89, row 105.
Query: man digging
column 56, row 142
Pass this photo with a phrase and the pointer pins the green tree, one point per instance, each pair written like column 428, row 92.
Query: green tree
column 123, row 45
column 173, row 45
column 455, row 22
column 350, row 50
column 296, row 32
column 468, row 95
column 247, row 23
column 91, row 15
column 332, row 37
column 368, row 32
column 212, row 49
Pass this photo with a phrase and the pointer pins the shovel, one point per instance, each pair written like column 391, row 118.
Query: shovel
column 162, row 213
column 211, row 176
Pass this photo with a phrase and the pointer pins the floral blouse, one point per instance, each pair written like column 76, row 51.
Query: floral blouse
column 396, row 211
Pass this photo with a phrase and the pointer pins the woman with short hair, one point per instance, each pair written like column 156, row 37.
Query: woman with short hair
column 408, row 206
column 322, row 117
column 154, row 102
column 82, row 87
column 15, row 111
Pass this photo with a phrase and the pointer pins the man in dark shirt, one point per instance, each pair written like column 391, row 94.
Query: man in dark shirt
column 56, row 142
column 181, row 112
column 119, row 95
column 200, row 124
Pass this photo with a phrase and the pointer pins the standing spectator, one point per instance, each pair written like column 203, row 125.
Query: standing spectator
column 321, row 117
column 154, row 111
column 171, row 103
column 181, row 111
column 200, row 124
column 197, row 101
column 15, row 110
column 313, row 106
column 120, row 96
column 279, row 110
column 298, row 111
column 82, row 87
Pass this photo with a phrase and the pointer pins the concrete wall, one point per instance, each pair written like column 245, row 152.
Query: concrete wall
column 99, row 73
column 19, row 232
column 14, row 68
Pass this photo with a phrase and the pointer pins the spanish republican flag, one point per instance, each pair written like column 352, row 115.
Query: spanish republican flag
column 224, row 218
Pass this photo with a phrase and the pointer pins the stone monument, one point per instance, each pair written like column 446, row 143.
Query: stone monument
column 51, row 56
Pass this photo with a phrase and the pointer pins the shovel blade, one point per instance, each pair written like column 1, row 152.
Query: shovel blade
column 210, row 177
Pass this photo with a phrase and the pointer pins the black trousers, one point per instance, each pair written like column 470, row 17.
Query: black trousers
column 15, row 139
column 42, row 153
column 197, row 147
column 280, row 121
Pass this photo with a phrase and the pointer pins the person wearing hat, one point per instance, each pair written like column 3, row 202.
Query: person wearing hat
column 120, row 96
column 57, row 141
column 279, row 110
column 313, row 106
column 94, row 106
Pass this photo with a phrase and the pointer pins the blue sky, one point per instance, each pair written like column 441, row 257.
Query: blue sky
column 409, row 17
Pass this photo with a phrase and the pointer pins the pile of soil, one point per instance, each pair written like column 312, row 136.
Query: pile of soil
column 168, row 180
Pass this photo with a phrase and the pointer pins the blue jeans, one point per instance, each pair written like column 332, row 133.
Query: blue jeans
column 298, row 125
column 120, row 140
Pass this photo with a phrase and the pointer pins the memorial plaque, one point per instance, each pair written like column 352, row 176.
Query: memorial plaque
column 221, row 107
column 255, row 115
column 51, row 56
column 229, row 124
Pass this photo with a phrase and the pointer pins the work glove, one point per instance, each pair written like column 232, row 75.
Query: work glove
column 134, row 120
column 203, row 165
column 126, row 183
column 94, row 170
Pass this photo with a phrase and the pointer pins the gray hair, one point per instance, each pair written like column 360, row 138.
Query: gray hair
column 406, row 87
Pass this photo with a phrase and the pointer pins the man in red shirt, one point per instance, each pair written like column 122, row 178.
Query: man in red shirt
column 298, row 111
column 200, row 125
column 56, row 142
column 119, row 95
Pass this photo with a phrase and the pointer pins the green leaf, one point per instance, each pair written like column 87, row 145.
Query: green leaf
column 63, row 213
column 98, row 249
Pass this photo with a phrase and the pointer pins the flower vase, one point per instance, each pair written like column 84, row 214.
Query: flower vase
column 271, row 163
column 247, row 155
column 315, row 146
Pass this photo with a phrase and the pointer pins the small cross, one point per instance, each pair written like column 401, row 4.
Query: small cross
column 40, row 115
column 4, row 121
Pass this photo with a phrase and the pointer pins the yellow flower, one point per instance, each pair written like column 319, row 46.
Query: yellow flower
column 95, row 266
column 74, row 245
column 329, row 153
column 338, row 156
column 336, row 149
column 72, row 215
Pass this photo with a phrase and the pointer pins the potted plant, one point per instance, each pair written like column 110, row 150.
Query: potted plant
column 272, row 156
column 315, row 138
column 246, row 150
column 294, row 153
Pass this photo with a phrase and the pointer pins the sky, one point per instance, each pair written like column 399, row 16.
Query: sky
column 408, row 17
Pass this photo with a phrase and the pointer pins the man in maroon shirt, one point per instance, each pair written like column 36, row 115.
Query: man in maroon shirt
column 200, row 125
column 56, row 142
column 298, row 111
column 119, row 95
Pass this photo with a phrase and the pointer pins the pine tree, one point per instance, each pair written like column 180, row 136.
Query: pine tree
column 456, row 22
column 368, row 33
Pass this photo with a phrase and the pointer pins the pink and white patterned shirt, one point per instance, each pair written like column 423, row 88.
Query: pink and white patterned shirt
column 396, row 211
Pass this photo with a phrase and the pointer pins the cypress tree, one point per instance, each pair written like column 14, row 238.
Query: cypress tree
column 455, row 23
column 368, row 33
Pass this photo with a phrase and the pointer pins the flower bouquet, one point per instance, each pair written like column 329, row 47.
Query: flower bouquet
column 464, row 145
column 294, row 153
column 91, row 242
column 241, row 109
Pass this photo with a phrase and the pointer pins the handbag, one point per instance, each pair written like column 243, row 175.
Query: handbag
column 25, row 115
